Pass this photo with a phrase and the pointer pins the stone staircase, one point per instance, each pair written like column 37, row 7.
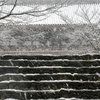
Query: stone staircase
column 50, row 77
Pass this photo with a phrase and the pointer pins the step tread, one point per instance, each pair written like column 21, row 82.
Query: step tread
column 32, row 70
column 50, row 95
column 50, row 77
column 51, row 57
column 46, row 85
column 50, row 63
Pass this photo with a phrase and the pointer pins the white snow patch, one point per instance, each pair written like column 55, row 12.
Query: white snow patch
column 48, row 81
column 10, row 99
column 50, row 60
column 48, row 90
column 69, row 99
column 47, row 74
column 61, row 99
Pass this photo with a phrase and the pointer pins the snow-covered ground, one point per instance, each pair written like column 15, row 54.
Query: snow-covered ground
column 74, row 14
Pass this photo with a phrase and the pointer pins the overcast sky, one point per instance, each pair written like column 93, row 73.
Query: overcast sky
column 53, row 1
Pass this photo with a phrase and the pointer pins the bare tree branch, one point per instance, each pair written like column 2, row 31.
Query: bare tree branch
column 10, row 11
column 32, row 11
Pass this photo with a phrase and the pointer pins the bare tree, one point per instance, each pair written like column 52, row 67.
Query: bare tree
column 16, row 14
column 15, row 11
column 91, row 15
column 88, row 15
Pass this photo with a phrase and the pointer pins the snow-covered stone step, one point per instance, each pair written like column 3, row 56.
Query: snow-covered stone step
column 74, row 63
column 49, row 77
column 5, row 70
column 78, row 77
column 50, row 57
column 60, row 70
column 50, row 95
column 49, row 84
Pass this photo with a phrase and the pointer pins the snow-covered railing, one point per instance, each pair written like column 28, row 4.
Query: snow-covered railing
column 72, row 14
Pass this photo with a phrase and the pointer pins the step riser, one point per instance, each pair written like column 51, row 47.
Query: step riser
column 50, row 63
column 61, row 70
column 11, row 94
column 48, row 95
column 39, row 57
column 49, row 70
column 49, row 85
column 50, row 77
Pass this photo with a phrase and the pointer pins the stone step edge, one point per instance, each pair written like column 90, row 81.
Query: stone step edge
column 98, row 74
column 48, row 55
column 50, row 99
column 43, row 51
column 49, row 81
column 62, row 89
column 48, row 67
column 11, row 60
column 51, row 60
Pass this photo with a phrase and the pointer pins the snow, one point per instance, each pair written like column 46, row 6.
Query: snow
column 61, row 99
column 52, row 99
column 10, row 99
column 69, row 99
column 49, row 60
column 91, row 54
column 48, row 90
column 62, row 67
column 74, row 14
column 48, row 81
column 14, row 74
